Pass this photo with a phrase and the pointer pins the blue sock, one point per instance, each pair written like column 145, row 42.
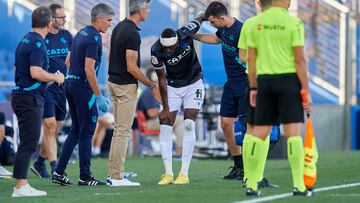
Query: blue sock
column 40, row 160
column 53, row 165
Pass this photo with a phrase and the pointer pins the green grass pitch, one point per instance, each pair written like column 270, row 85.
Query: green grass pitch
column 206, row 183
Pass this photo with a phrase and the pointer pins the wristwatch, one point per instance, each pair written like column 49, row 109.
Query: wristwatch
column 154, row 85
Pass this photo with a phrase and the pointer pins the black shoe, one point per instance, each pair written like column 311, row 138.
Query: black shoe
column 265, row 183
column 91, row 181
column 251, row 192
column 306, row 193
column 60, row 179
column 236, row 173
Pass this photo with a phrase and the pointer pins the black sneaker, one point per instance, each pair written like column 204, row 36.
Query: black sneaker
column 265, row 183
column 306, row 193
column 60, row 179
column 251, row 192
column 236, row 173
column 91, row 181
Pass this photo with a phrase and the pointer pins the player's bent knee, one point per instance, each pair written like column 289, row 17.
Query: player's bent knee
column 226, row 123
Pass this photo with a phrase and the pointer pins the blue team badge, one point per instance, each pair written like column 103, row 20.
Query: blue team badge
column 231, row 37
column 47, row 41
column 38, row 44
column 63, row 40
column 96, row 38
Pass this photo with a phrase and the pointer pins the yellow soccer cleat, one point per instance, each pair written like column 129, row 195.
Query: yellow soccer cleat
column 166, row 179
column 182, row 179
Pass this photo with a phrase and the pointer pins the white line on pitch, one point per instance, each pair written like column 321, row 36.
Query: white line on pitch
column 281, row 196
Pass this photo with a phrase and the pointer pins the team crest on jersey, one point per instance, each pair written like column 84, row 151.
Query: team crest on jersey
column 47, row 41
column 96, row 38
column 231, row 37
column 154, row 60
column 63, row 40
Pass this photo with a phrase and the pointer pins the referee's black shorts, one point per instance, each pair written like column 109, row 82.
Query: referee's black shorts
column 278, row 100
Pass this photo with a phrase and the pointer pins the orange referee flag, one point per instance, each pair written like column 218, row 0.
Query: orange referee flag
column 310, row 148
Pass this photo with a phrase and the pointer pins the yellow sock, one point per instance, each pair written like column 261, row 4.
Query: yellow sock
column 263, row 158
column 296, row 159
column 244, row 150
column 255, row 153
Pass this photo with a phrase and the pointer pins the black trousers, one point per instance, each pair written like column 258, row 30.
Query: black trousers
column 28, row 110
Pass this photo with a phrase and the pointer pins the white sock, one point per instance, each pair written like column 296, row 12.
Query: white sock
column 165, row 140
column 95, row 151
column 188, row 145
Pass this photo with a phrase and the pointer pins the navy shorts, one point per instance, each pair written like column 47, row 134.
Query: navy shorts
column 55, row 105
column 233, row 100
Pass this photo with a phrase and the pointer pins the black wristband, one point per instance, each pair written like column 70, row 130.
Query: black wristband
column 253, row 88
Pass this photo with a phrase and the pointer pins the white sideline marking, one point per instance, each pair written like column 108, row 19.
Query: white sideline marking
column 281, row 196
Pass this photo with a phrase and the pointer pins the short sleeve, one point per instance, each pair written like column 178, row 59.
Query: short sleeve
column 189, row 30
column 69, row 38
column 2, row 118
column 250, row 38
column 93, row 47
column 38, row 55
column 242, row 44
column 133, row 43
column 298, row 34
column 155, row 60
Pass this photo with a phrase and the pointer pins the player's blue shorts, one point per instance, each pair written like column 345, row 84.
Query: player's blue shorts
column 55, row 105
column 233, row 100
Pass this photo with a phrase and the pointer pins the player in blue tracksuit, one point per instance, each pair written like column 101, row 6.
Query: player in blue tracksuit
column 83, row 93
column 58, row 43
column 27, row 101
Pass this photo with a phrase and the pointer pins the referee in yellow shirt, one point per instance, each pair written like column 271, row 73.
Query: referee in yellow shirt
column 277, row 73
column 250, row 111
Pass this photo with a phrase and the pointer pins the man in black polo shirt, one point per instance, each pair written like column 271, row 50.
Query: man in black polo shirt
column 124, row 73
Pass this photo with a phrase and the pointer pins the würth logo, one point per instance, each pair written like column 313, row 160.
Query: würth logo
column 259, row 26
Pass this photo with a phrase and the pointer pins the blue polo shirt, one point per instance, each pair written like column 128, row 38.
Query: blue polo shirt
column 31, row 51
column 58, row 46
column 86, row 43
column 235, row 69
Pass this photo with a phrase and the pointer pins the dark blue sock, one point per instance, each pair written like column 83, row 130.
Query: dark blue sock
column 53, row 165
column 40, row 160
